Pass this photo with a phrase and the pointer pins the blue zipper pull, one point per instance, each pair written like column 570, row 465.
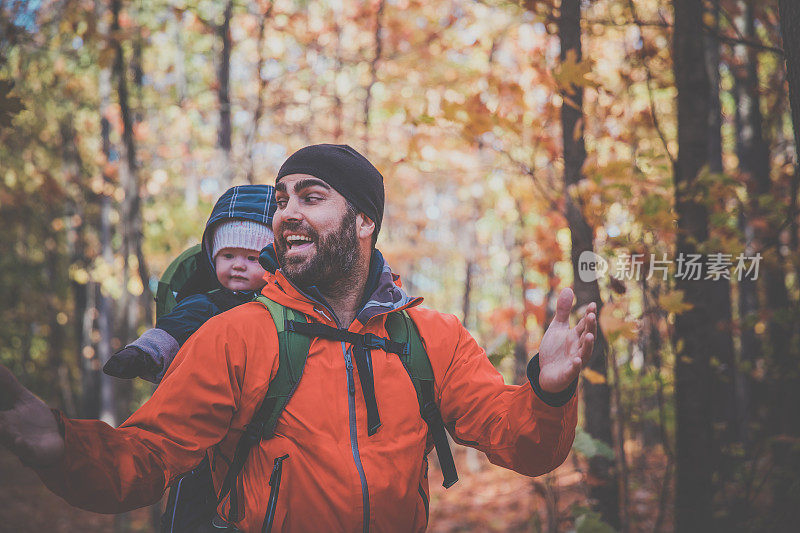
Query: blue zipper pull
column 276, row 468
column 351, row 385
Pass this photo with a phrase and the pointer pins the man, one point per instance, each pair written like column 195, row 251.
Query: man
column 345, row 467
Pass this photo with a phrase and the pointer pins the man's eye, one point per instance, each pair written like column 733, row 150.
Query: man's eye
column 281, row 202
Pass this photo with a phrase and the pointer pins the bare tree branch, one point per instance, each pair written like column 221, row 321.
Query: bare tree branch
column 651, row 98
column 743, row 41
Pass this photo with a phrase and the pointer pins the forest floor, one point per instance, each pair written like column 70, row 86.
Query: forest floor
column 486, row 499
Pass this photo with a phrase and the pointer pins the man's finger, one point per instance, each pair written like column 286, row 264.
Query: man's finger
column 564, row 306
column 591, row 319
column 580, row 327
column 586, row 348
column 591, row 323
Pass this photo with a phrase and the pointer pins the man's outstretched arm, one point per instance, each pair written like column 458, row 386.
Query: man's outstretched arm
column 110, row 470
column 27, row 426
column 527, row 428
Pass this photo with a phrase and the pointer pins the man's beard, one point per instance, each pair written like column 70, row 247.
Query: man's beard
column 335, row 258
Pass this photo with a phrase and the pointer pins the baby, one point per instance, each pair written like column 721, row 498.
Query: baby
column 229, row 274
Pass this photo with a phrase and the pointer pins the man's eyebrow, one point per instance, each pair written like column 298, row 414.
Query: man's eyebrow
column 280, row 187
column 304, row 183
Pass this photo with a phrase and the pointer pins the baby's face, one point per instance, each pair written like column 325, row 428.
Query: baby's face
column 238, row 269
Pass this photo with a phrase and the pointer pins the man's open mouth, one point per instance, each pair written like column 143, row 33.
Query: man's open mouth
column 298, row 242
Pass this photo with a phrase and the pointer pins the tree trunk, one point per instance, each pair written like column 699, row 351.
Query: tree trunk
column 373, row 72
column 790, row 32
column 786, row 493
column 131, row 219
column 466, row 305
column 223, row 95
column 754, row 164
column 650, row 346
column 338, row 105
column 692, row 342
column 596, row 397
column 189, row 168
column 725, row 413
column 262, row 85
column 105, row 311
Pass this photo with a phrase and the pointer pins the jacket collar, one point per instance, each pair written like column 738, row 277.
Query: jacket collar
column 383, row 294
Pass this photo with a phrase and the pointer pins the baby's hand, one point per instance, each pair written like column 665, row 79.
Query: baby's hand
column 130, row 362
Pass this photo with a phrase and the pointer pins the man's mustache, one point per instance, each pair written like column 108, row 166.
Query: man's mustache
column 294, row 226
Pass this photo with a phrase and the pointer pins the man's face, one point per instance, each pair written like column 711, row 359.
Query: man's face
column 315, row 232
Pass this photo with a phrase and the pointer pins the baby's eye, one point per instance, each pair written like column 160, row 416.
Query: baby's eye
column 227, row 256
column 252, row 258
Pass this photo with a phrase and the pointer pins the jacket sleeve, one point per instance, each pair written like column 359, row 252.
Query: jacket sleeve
column 512, row 424
column 111, row 470
column 187, row 317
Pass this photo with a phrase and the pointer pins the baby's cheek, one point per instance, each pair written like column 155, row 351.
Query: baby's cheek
column 258, row 280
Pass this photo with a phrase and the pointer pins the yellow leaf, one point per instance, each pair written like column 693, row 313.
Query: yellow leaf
column 672, row 302
column 614, row 324
column 572, row 72
column 593, row 377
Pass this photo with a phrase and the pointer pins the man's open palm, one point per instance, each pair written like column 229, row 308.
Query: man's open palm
column 564, row 350
column 27, row 426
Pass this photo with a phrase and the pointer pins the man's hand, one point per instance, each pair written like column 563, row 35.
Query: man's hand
column 564, row 351
column 27, row 426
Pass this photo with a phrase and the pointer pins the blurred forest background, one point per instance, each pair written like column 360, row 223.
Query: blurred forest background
column 513, row 136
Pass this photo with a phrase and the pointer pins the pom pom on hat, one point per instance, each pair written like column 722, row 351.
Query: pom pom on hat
column 240, row 234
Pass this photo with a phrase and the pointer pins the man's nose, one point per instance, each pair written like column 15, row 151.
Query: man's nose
column 292, row 210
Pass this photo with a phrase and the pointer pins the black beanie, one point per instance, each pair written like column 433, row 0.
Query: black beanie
column 344, row 169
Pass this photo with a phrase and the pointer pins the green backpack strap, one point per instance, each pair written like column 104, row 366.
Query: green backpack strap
column 293, row 352
column 402, row 329
column 177, row 274
column 292, row 355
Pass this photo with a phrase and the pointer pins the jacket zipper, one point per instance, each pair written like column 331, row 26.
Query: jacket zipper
column 275, row 485
column 351, row 401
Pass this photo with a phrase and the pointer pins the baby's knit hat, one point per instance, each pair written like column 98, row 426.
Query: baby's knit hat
column 245, row 234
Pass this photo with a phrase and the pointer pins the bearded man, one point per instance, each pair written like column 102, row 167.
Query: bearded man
column 352, row 452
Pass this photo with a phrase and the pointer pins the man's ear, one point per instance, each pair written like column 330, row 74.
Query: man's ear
column 365, row 227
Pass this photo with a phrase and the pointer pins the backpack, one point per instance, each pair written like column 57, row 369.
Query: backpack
column 294, row 340
column 188, row 274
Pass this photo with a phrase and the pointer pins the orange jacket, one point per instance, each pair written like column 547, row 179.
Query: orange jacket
column 336, row 478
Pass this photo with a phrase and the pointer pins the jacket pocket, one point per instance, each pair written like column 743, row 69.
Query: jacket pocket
column 274, row 488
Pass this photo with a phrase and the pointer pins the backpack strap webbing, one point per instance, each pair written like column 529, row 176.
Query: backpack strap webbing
column 401, row 328
column 292, row 355
column 361, row 343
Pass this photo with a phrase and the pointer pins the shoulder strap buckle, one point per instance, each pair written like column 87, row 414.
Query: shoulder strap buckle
column 370, row 340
